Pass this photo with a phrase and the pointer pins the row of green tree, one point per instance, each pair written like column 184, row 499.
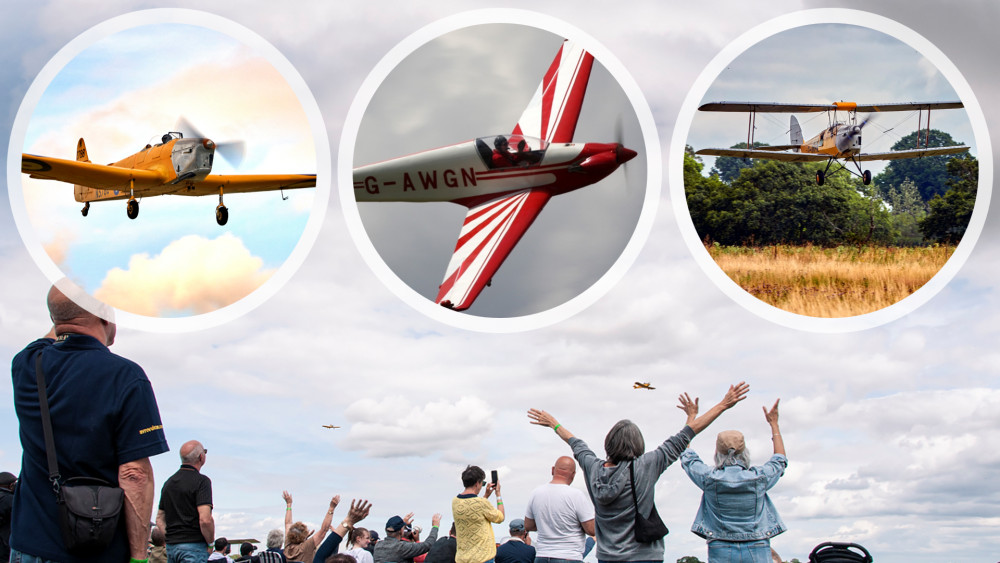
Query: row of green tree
column 759, row 202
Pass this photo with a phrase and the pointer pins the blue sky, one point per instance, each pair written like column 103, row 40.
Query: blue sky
column 890, row 431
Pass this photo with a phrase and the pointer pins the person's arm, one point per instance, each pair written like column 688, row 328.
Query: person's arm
column 499, row 504
column 529, row 525
column 588, row 527
column 329, row 546
column 206, row 523
column 136, row 479
column 735, row 394
column 327, row 520
column 288, row 511
column 543, row 418
column 161, row 520
column 357, row 513
column 772, row 420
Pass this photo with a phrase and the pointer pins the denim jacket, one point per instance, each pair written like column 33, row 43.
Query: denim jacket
column 735, row 505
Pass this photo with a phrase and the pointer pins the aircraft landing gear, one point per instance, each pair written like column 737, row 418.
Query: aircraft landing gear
column 131, row 208
column 221, row 212
column 866, row 177
column 820, row 177
column 86, row 209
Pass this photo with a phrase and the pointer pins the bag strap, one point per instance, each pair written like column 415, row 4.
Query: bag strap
column 635, row 499
column 50, row 445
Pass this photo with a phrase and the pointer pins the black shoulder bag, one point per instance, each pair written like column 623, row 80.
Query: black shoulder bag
column 89, row 508
column 647, row 530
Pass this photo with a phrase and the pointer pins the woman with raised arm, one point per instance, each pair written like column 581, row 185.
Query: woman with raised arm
column 300, row 542
column 736, row 516
column 630, row 468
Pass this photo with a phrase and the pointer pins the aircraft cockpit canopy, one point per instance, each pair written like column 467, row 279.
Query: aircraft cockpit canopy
column 170, row 136
column 507, row 151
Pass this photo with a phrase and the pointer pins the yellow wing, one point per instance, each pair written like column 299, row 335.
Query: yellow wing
column 92, row 175
column 244, row 183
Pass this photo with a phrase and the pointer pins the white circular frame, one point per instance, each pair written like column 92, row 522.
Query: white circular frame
column 712, row 72
column 259, row 46
column 410, row 296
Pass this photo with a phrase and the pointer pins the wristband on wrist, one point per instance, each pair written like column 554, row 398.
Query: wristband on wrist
column 134, row 560
column 556, row 428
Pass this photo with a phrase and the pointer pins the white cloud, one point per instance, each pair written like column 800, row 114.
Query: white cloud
column 191, row 274
column 395, row 427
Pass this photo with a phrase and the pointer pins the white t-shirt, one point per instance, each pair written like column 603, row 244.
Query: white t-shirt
column 360, row 555
column 558, row 511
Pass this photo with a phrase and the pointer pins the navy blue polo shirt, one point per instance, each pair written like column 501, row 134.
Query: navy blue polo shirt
column 103, row 415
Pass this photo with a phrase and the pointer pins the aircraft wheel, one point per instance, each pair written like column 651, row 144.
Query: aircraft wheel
column 86, row 209
column 132, row 208
column 866, row 177
column 221, row 215
column 820, row 177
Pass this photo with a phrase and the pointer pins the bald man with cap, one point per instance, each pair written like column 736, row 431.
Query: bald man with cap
column 562, row 515
column 105, row 425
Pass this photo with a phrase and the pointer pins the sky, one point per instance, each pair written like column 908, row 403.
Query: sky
column 825, row 63
column 126, row 90
column 476, row 82
column 891, row 431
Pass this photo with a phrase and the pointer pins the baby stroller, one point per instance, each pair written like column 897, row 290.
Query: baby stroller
column 839, row 552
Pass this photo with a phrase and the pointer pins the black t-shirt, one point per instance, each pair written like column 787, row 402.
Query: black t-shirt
column 443, row 551
column 180, row 498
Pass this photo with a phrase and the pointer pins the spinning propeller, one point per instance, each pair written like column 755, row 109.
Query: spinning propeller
column 232, row 151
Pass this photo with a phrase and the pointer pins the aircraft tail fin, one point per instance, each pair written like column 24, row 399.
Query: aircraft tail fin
column 795, row 132
column 81, row 193
column 81, row 151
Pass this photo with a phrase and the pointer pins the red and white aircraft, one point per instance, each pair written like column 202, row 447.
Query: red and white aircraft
column 505, row 180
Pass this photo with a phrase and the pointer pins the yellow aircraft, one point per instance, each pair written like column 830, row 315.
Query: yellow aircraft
column 330, row 426
column 638, row 385
column 841, row 140
column 176, row 165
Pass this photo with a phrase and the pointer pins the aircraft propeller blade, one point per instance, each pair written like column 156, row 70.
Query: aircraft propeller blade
column 232, row 151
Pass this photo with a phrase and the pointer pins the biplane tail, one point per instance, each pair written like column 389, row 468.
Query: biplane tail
column 794, row 132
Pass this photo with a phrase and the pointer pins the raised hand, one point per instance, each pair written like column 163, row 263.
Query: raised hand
column 542, row 418
column 771, row 416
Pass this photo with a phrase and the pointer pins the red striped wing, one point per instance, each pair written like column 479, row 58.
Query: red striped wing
column 490, row 232
column 554, row 110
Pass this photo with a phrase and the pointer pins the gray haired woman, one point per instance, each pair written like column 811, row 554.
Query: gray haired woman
column 736, row 516
column 609, row 482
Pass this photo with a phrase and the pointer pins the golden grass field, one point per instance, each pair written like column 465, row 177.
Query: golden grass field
column 830, row 282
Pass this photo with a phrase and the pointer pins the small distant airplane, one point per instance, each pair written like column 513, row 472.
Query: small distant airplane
column 176, row 165
column 639, row 385
column 504, row 180
column 840, row 141
column 330, row 426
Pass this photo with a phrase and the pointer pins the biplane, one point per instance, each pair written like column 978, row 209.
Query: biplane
column 330, row 426
column 176, row 165
column 840, row 141
column 640, row 385
column 504, row 180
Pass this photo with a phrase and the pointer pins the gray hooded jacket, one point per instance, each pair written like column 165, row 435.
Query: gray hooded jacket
column 611, row 492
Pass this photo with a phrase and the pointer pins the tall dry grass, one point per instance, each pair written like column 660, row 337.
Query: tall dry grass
column 830, row 282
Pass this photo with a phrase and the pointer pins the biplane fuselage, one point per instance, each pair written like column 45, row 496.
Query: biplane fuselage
column 840, row 140
column 470, row 171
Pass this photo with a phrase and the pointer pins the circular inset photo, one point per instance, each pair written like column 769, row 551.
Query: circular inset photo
column 187, row 106
column 499, row 170
column 834, row 188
